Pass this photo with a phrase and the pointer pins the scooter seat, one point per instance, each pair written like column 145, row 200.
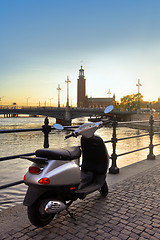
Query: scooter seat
column 69, row 153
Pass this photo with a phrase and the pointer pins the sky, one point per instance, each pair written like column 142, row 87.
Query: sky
column 43, row 41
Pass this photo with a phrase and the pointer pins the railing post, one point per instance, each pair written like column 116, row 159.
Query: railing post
column 46, row 129
column 151, row 156
column 114, row 169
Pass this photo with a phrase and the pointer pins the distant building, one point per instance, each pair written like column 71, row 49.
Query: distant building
column 82, row 98
column 99, row 102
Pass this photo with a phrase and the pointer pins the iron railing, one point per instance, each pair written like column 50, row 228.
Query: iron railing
column 114, row 169
column 46, row 129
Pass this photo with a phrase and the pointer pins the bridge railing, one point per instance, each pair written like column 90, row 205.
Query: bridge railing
column 46, row 129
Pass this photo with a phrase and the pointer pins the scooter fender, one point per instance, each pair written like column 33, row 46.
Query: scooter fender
column 32, row 195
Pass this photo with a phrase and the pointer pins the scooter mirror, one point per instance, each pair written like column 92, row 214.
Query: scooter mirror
column 58, row 126
column 108, row 109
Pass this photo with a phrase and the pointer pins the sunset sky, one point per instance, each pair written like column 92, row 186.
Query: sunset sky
column 44, row 41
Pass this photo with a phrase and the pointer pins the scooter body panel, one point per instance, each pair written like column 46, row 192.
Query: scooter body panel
column 32, row 195
column 60, row 173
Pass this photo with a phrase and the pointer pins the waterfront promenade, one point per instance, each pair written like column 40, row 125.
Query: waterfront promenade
column 130, row 211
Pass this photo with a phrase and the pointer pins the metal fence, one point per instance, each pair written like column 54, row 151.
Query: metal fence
column 114, row 169
column 46, row 129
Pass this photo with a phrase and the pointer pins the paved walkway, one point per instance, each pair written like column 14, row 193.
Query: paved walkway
column 130, row 211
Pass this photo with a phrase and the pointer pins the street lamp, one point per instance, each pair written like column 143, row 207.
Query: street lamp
column 50, row 101
column 1, row 98
column 27, row 100
column 138, row 85
column 109, row 93
column 67, row 81
column 59, row 89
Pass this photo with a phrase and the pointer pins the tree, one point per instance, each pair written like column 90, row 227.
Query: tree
column 130, row 102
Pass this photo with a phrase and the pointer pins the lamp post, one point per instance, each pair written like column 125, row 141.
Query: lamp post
column 59, row 89
column 1, row 98
column 27, row 100
column 138, row 85
column 67, row 81
column 50, row 99
column 109, row 93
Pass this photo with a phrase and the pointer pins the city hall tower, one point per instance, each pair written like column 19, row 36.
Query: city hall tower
column 81, row 90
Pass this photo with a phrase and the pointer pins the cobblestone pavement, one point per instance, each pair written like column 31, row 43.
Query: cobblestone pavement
column 130, row 211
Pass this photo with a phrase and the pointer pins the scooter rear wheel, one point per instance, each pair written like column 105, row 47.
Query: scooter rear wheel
column 104, row 190
column 36, row 217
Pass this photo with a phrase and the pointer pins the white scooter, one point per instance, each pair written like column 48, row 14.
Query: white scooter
column 56, row 178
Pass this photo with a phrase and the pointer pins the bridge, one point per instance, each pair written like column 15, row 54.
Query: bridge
column 63, row 115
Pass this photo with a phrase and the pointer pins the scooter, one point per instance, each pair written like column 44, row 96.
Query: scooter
column 56, row 179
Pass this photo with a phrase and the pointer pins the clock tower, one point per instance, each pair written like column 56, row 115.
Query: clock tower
column 81, row 89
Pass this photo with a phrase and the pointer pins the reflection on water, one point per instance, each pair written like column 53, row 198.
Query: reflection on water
column 19, row 143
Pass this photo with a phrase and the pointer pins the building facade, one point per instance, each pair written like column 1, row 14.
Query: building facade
column 82, row 98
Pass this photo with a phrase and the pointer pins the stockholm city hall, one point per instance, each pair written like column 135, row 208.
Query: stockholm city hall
column 82, row 99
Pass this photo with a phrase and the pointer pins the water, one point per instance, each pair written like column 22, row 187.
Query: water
column 19, row 143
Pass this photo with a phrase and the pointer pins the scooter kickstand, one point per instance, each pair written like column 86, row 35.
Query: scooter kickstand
column 71, row 215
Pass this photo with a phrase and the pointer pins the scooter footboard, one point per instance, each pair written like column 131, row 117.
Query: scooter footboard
column 97, row 183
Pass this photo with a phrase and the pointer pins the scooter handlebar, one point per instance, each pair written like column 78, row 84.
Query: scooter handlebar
column 69, row 135
column 107, row 122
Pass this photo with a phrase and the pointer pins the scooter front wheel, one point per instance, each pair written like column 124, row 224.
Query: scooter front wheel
column 104, row 190
column 36, row 217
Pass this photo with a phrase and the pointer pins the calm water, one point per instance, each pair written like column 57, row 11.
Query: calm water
column 17, row 143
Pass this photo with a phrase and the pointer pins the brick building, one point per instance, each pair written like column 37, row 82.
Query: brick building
column 82, row 98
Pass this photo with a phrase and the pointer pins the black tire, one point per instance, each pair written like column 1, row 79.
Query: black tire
column 36, row 217
column 104, row 190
